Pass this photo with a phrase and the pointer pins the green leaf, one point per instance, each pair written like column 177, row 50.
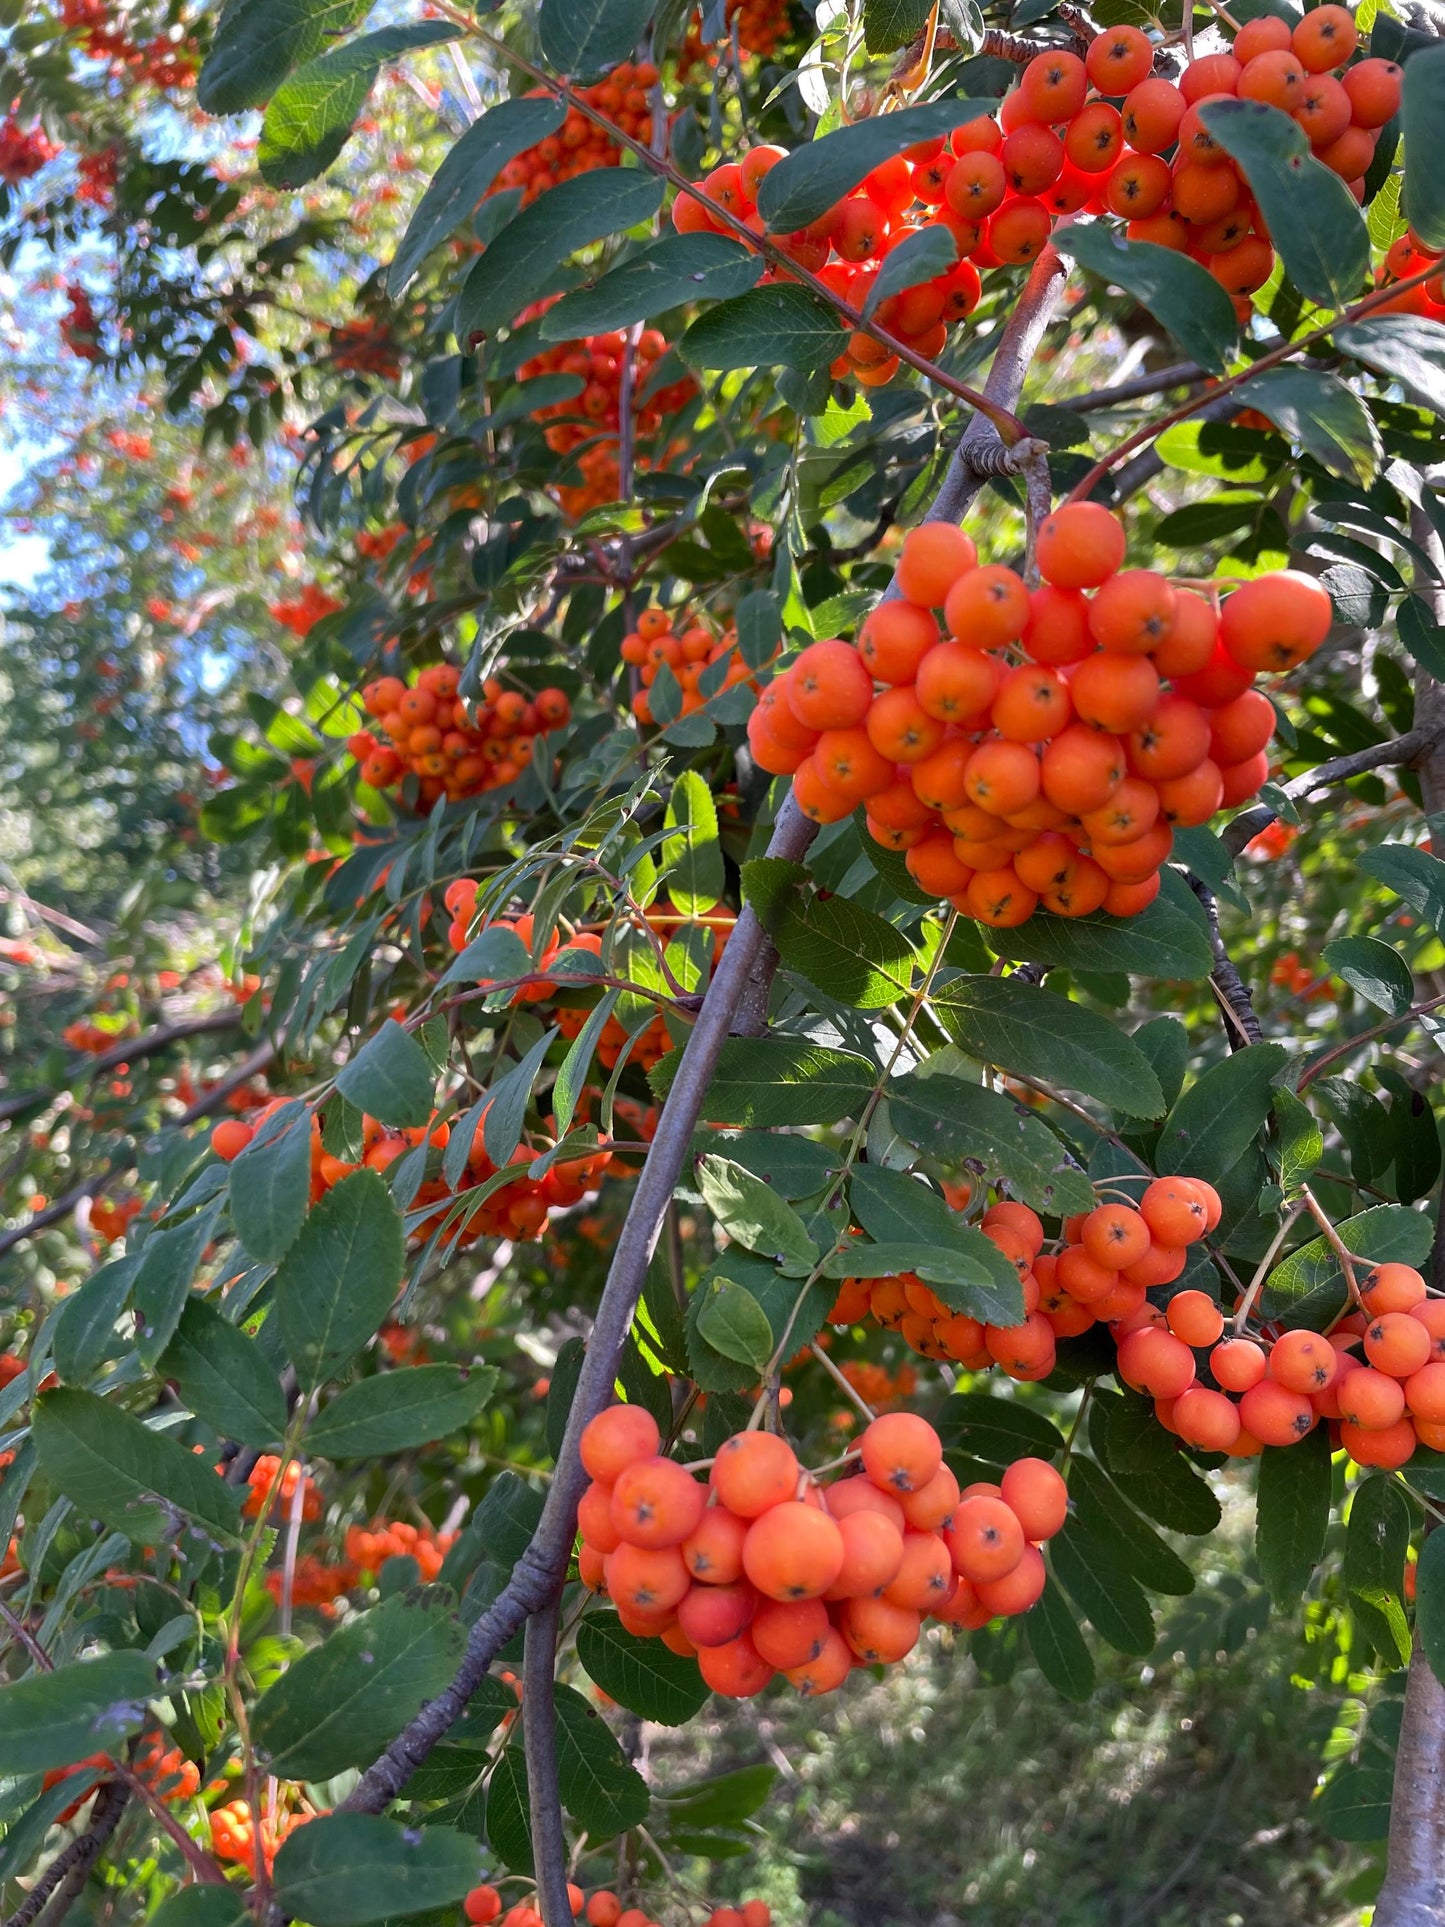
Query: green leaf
column 396, row 1411
column 781, row 325
column 348, row 1869
column 820, row 172
column 169, row 1261
column 889, row 25
column 56, row 1718
column 1022, row 1028
column 1421, row 635
column 1106, row 1515
column 1377, row 1537
column 1222, row 449
column 913, row 1224
column 338, row 1281
column 1317, row 228
column 1110, row 1599
column 1406, row 348
column 771, row 1081
column 270, row 1184
column 509, row 1824
column 341, row 1703
column 735, row 1324
column 847, row 951
column 1378, row 973
column 466, row 174
column 519, row 266
column 1326, row 418
column 953, row 1120
column 919, row 256
column 224, row 1378
column 310, row 116
column 135, row 1480
column 1181, row 295
column 493, row 955
column 692, row 861
column 1412, row 874
column 641, row 1674
column 1308, row 1287
column 1292, row 1515
column 258, row 42
column 1163, row 941
column 584, row 39
column 1422, row 114
column 1301, row 1141
column 202, row 1907
column 1058, row 1646
column 1216, row 1120
column 753, row 1215
column 996, row 1430
column 1145, row 1463
column 604, row 1794
column 390, row 1078
column 510, row 1096
column 678, row 269
column 1354, row 1803
column 1430, row 1602
column 572, row 1072
column 84, row 1328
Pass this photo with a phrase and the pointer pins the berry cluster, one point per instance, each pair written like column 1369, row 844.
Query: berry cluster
column 1406, row 257
column 579, row 146
column 701, row 663
column 450, row 750
column 484, row 1905
column 303, row 612
column 269, row 1486
column 365, row 347
column 23, row 151
column 164, row 1769
column 1060, row 147
column 765, row 1570
column 1104, row 1265
column 1040, row 753
column 233, row 1833
column 759, row 26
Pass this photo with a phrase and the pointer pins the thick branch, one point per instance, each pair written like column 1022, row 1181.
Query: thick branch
column 64, row 1879
column 1179, row 374
column 1230, row 988
column 1401, row 752
column 539, row 1721
column 1414, row 1891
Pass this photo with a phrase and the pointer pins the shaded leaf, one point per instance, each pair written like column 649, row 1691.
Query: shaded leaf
column 337, row 1282
column 954, row 1120
column 1180, row 294
column 348, row 1869
column 135, row 1480
column 781, row 325
column 641, row 1674
column 677, row 269
column 818, row 174
column 1292, row 1515
column 92, row 1706
column 1020, row 1027
column 396, row 1411
column 1215, row 1121
column 224, row 1377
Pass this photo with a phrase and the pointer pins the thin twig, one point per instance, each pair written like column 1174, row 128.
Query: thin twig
column 68, row 1872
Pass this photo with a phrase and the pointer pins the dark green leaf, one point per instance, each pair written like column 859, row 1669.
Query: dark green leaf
column 953, row 1120
column 509, row 1824
column 464, row 177
column 604, row 1794
column 271, row 1184
column 1430, row 1601
column 1317, row 410
column 390, row 1078
column 1315, row 223
column 847, row 951
column 966, row 1269
column 224, row 1377
column 1354, row 1803
column 84, row 1328
column 587, row 38
column 56, row 1718
column 781, row 325
column 1412, row 874
column 1421, row 635
column 641, row 1674
column 519, row 266
column 169, row 1261
column 819, row 173
column 1422, row 112
column 778, row 1080
column 396, row 1411
column 1181, row 295
column 493, row 955
column 1308, row 1287
column 1378, row 973
column 1020, row 1027
column 1406, row 348
column 1213, row 1124
column 135, row 1480
column 735, row 1324
column 920, row 256
column 348, row 1869
column 338, row 1281
column 1058, row 1646
column 202, row 1907
column 1293, row 1515
column 1109, row 1598
column 996, row 1430
column 1377, row 1538
column 1162, row 941
column 510, row 1096
column 310, row 116
column 341, row 1703
column 258, row 42
column 1108, row 1517
column 677, row 269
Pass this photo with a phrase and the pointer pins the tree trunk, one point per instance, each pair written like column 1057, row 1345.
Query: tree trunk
column 1414, row 1891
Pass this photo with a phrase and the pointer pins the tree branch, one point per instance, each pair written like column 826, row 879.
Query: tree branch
column 539, row 1726
column 128, row 1050
column 64, row 1879
column 1401, row 752
column 1414, row 1891
column 1229, row 987
column 1179, row 374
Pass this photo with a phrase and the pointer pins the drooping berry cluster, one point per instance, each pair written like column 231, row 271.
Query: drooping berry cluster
column 1407, row 257
column 588, row 425
column 759, row 27
column 452, row 750
column 579, row 146
column 164, row 1769
column 765, row 1571
column 484, row 1905
column 1061, row 147
column 702, row 663
column 1039, row 753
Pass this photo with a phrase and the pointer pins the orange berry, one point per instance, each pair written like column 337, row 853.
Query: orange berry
column 1303, row 1361
column 901, row 1452
column 985, row 1538
column 1238, row 1363
column 1156, row 1362
column 738, row 1671
column 1274, row 1415
column 1277, row 621
column 656, row 1503
column 1398, row 1344
column 1079, row 546
column 793, row 1551
column 1325, row 38
column 894, row 640
column 987, row 607
column 754, row 1471
column 1035, row 1492
column 933, row 557
column 1392, row 1287
column 1370, row 1399
column 616, row 1439
column 1206, row 1419
column 828, row 686
column 1175, row 1210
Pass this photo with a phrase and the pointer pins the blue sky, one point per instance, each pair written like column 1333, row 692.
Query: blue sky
column 22, row 557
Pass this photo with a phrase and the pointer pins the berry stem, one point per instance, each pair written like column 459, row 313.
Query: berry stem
column 1262, row 1270
column 850, row 1392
